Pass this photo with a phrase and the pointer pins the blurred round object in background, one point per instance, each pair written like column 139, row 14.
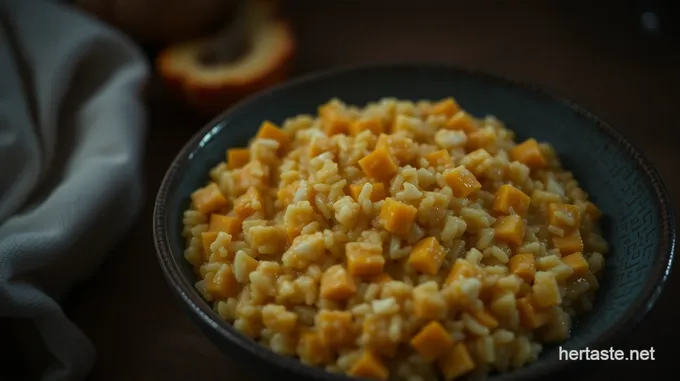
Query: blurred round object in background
column 253, row 51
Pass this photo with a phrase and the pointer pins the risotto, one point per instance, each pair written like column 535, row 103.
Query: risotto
column 399, row 240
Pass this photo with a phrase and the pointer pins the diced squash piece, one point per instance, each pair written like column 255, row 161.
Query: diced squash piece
column 510, row 229
column 462, row 182
column 529, row 154
column 577, row 262
column 570, row 243
column 593, row 211
column 248, row 203
column 565, row 216
column 337, row 284
column 524, row 266
column 462, row 268
column 222, row 223
column 427, row 256
column 447, row 107
column 222, row 283
column 311, row 349
column 485, row 318
column 369, row 366
column 397, row 217
column 432, row 341
column 545, row 289
column 335, row 327
column 366, row 124
column 462, row 121
column 441, row 157
column 379, row 165
column 207, row 239
column 244, row 264
column 456, row 362
column 399, row 146
column 377, row 191
column 508, row 197
column 333, row 120
column 481, row 138
column 364, row 260
column 530, row 316
column 237, row 157
column 269, row 130
column 209, row 199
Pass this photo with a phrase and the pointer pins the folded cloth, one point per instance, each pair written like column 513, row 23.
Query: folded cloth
column 71, row 140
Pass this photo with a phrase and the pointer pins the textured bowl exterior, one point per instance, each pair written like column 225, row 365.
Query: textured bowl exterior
column 637, row 221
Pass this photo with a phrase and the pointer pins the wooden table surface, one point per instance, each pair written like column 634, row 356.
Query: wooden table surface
column 587, row 54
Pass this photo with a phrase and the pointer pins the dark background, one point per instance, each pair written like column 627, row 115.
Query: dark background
column 595, row 53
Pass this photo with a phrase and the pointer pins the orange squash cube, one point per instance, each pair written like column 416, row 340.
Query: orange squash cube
column 335, row 327
column 481, row 138
column 529, row 154
column 377, row 191
column 333, row 120
column 564, row 216
column 432, row 341
column 441, row 157
column 510, row 229
column 461, row 121
column 462, row 268
column 530, row 316
column 570, row 243
column 364, row 260
column 462, row 182
column 485, row 318
column 248, row 203
column 223, row 283
column 222, row 223
column 456, row 362
column 369, row 366
column 447, row 107
column 364, row 124
column 379, row 165
column 400, row 147
column 237, row 157
column 577, row 262
column 545, row 288
column 397, row 217
column 508, row 197
column 209, row 199
column 524, row 266
column 269, row 130
column 337, row 284
column 311, row 348
column 427, row 256
column 207, row 239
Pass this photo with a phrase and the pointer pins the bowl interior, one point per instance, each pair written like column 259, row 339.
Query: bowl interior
column 637, row 221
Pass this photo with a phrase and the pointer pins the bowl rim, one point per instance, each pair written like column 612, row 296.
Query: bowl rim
column 659, row 272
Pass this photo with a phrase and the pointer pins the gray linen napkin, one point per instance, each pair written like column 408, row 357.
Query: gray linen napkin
column 71, row 139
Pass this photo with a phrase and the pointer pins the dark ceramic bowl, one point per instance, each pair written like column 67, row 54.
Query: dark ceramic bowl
column 637, row 222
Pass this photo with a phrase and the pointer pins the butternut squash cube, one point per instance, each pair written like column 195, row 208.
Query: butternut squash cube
column 577, row 262
column 269, row 130
column 335, row 327
column 545, row 288
column 485, row 318
column 462, row 121
column 221, row 223
column 564, row 216
column 364, row 260
column 456, row 362
column 377, row 191
column 427, row 256
column 399, row 146
column 447, row 107
column 337, row 284
column 530, row 316
column 397, row 217
column 462, row 268
column 311, row 349
column 237, row 157
column 508, row 197
column 441, row 157
column 462, row 182
column 207, row 239
column 481, row 138
column 333, row 120
column 524, row 266
column 570, row 243
column 366, row 124
column 248, row 203
column 379, row 165
column 529, row 154
column 432, row 341
column 369, row 366
column 510, row 229
column 222, row 284
column 209, row 199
